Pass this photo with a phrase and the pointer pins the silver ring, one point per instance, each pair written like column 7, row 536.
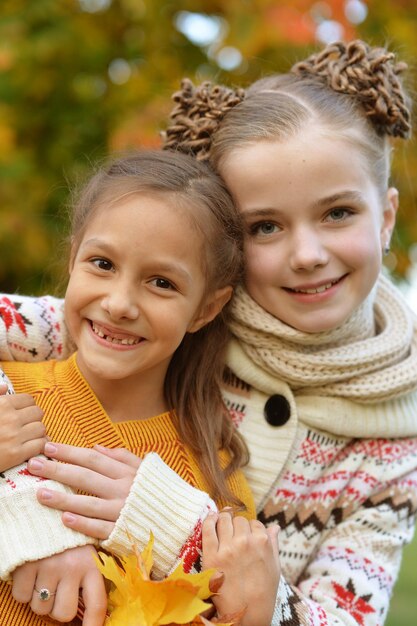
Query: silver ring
column 44, row 594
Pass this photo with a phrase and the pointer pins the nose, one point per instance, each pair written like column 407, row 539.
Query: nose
column 307, row 251
column 120, row 301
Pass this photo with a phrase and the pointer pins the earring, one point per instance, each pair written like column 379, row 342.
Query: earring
column 386, row 249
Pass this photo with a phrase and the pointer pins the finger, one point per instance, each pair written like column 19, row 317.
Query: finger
column 224, row 527
column 95, row 599
column 72, row 475
column 32, row 430
column 89, row 458
column 241, row 526
column 21, row 400
column 89, row 506
column 29, row 449
column 210, row 542
column 23, row 582
column 29, row 415
column 120, row 454
column 39, row 606
column 65, row 605
column 3, row 389
column 257, row 527
column 97, row 528
column 273, row 532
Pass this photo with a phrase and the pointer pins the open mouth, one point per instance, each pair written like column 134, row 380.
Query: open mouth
column 121, row 341
column 314, row 290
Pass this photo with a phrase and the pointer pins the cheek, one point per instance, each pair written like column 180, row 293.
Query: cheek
column 261, row 262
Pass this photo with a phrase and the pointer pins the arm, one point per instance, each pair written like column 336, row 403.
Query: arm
column 32, row 329
column 22, row 434
column 130, row 498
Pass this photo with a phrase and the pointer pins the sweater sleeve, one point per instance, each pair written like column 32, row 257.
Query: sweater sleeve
column 162, row 502
column 30, row 531
column 32, row 329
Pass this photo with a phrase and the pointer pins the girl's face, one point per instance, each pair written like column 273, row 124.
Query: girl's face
column 315, row 227
column 136, row 288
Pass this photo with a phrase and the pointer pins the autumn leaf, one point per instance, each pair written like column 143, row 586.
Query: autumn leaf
column 137, row 600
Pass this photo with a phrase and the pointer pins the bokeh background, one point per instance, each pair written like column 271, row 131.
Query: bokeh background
column 82, row 78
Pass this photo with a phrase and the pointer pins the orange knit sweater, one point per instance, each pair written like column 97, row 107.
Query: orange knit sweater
column 73, row 415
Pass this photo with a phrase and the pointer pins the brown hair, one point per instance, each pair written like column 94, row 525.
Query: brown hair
column 350, row 89
column 193, row 381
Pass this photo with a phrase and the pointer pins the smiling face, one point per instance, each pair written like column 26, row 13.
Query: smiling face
column 315, row 227
column 136, row 288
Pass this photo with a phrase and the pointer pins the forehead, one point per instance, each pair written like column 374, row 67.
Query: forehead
column 305, row 166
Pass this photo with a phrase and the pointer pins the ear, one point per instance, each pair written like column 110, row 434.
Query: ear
column 389, row 216
column 211, row 308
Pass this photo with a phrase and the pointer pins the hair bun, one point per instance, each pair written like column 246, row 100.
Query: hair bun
column 369, row 74
column 196, row 116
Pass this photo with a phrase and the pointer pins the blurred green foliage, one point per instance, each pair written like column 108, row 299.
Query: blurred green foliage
column 80, row 78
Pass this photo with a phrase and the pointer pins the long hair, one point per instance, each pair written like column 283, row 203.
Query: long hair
column 193, row 381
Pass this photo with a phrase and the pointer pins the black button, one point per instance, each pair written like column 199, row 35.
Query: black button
column 277, row 410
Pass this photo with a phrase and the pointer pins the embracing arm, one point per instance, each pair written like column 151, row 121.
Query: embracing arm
column 28, row 530
column 32, row 328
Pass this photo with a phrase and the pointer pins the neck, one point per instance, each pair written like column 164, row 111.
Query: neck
column 131, row 398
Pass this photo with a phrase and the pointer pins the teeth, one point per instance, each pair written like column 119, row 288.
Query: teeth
column 125, row 342
column 317, row 289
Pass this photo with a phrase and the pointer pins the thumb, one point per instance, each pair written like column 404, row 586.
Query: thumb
column 216, row 581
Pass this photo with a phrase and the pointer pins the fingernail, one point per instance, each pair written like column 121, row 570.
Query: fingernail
column 45, row 494
column 68, row 518
column 50, row 448
column 98, row 447
column 35, row 464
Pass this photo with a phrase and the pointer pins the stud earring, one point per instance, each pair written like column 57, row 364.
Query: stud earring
column 386, row 249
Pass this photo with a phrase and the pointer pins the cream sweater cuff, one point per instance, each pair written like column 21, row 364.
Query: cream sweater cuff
column 162, row 502
column 30, row 531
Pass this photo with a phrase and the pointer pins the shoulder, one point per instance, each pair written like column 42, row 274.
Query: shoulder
column 30, row 377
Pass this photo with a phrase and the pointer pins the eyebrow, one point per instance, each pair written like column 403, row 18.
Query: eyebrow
column 160, row 266
column 352, row 196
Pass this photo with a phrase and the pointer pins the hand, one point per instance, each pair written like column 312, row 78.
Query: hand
column 106, row 474
column 22, row 433
column 247, row 554
column 64, row 574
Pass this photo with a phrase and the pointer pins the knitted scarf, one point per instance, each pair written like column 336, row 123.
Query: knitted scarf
column 370, row 358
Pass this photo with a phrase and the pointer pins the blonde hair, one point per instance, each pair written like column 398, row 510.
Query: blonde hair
column 193, row 381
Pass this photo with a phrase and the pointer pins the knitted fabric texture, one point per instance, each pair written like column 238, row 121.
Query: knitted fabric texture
column 74, row 415
column 370, row 358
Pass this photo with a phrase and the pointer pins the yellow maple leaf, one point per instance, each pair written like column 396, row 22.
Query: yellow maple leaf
column 136, row 600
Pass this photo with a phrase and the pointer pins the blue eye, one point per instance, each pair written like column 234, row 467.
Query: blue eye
column 103, row 264
column 264, row 228
column 339, row 214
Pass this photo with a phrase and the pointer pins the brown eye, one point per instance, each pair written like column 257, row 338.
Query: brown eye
column 162, row 283
column 103, row 264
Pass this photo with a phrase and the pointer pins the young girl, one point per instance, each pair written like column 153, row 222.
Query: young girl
column 156, row 250
column 322, row 368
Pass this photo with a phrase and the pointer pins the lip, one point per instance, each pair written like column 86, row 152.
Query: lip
column 112, row 337
column 300, row 294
